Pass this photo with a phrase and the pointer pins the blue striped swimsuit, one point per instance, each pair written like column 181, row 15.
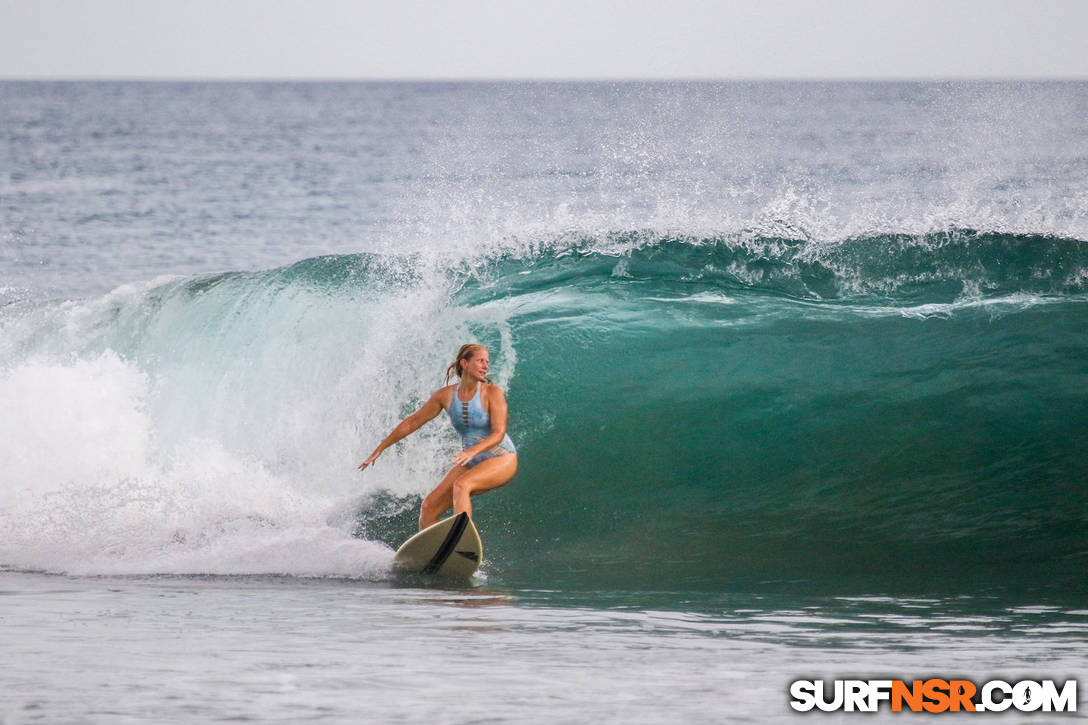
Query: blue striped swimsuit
column 474, row 424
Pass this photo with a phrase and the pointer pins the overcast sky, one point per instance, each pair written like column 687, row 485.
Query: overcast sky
column 603, row 39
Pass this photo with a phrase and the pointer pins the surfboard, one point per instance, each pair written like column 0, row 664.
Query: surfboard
column 450, row 548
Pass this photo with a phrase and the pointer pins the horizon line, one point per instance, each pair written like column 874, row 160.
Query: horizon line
column 539, row 79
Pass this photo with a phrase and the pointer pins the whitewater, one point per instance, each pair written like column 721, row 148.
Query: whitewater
column 796, row 373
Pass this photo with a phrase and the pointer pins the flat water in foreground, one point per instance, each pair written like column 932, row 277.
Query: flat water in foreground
column 281, row 649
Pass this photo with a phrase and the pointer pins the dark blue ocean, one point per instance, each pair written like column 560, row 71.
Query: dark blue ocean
column 797, row 372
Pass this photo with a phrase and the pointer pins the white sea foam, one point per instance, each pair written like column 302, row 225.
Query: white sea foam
column 89, row 488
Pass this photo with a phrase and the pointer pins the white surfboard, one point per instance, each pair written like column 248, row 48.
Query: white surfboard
column 450, row 548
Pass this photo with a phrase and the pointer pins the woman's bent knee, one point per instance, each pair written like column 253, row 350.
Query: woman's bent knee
column 462, row 486
column 434, row 505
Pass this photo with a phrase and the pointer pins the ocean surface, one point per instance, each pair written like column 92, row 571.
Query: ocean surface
column 797, row 373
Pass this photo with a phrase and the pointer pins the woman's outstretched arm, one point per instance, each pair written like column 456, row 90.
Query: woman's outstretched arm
column 406, row 427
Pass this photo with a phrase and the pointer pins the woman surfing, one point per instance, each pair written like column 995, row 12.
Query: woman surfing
column 477, row 410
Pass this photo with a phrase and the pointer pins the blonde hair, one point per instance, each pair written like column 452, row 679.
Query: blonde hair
column 465, row 353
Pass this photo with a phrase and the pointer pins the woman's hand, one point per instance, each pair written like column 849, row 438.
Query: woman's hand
column 462, row 458
column 369, row 461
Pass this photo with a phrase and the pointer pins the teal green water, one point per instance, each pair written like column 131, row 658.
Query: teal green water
column 888, row 413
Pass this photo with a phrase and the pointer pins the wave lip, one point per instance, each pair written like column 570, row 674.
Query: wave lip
column 893, row 269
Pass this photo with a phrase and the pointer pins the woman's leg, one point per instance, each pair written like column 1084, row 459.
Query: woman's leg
column 440, row 499
column 484, row 476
